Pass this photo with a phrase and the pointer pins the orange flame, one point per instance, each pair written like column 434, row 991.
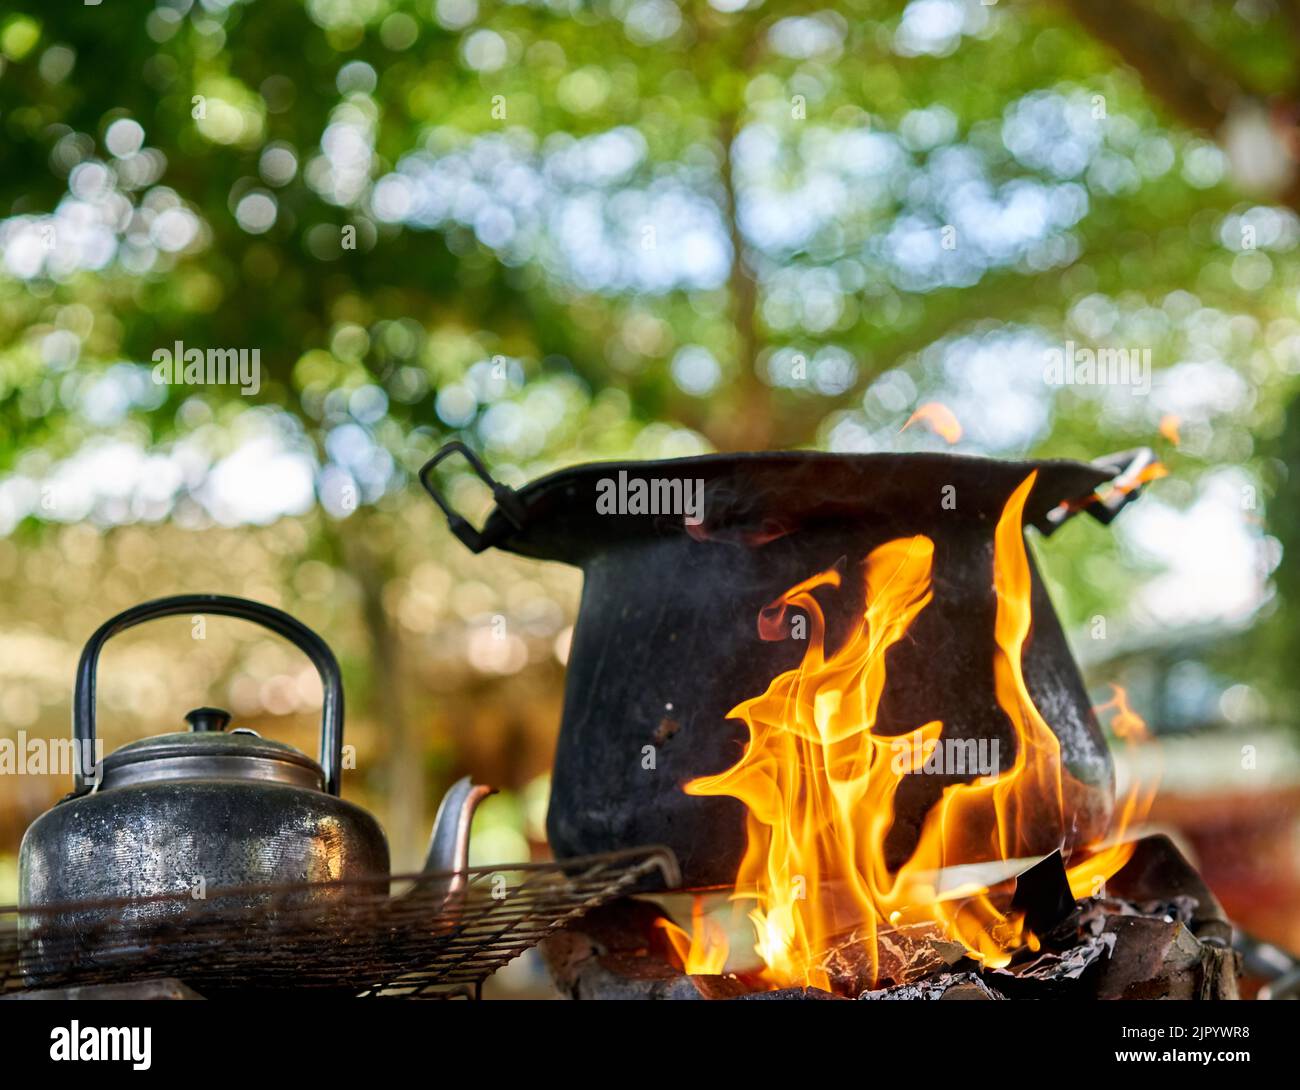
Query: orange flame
column 1088, row 876
column 704, row 951
column 1169, row 425
column 939, row 418
column 1126, row 723
column 819, row 783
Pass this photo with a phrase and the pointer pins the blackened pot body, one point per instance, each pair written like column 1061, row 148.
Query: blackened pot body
column 667, row 641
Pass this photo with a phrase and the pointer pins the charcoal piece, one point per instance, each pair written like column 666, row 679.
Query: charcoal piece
column 904, row 954
column 1093, row 913
column 580, row 969
column 791, row 993
column 950, row 952
column 617, row 953
column 1181, row 908
column 1056, row 974
column 1157, row 871
column 721, row 986
column 971, row 989
column 943, row 986
column 1220, row 972
column 1043, row 894
column 1155, row 958
column 1089, row 918
column 1111, row 948
column 1071, row 964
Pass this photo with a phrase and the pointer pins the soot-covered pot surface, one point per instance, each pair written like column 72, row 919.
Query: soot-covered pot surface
column 667, row 641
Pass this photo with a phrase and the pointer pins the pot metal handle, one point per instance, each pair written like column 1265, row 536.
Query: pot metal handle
column 279, row 622
column 1129, row 470
column 508, row 501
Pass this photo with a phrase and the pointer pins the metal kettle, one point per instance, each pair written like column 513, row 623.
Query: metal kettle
column 210, row 808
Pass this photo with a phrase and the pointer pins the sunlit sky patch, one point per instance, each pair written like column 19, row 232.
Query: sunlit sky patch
column 1222, row 579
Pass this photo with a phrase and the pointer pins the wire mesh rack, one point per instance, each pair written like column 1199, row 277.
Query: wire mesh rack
column 415, row 935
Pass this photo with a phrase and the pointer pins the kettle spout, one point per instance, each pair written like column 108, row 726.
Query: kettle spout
column 448, row 856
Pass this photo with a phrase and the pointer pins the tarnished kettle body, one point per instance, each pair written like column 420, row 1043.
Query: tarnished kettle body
column 192, row 811
column 155, row 838
column 153, row 831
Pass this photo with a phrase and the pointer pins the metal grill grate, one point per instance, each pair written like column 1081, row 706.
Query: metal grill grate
column 345, row 938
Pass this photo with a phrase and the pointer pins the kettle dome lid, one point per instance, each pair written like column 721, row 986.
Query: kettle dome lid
column 207, row 751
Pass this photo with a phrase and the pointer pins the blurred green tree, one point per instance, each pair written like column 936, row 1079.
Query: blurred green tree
column 643, row 226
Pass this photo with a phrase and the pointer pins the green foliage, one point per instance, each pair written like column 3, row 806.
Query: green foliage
column 751, row 121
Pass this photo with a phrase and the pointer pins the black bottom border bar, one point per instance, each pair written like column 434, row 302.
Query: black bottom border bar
column 290, row 1037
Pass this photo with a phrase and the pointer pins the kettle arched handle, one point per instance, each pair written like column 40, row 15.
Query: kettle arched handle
column 224, row 605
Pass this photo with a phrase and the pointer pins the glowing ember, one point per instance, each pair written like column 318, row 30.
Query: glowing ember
column 1169, row 427
column 704, row 950
column 938, row 418
column 819, row 783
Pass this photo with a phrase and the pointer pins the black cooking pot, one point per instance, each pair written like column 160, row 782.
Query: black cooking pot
column 666, row 641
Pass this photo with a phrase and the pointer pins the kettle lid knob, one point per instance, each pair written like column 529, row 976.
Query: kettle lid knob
column 208, row 719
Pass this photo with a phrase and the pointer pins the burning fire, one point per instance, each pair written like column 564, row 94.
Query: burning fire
column 705, row 949
column 939, row 418
column 1088, row 876
column 819, row 783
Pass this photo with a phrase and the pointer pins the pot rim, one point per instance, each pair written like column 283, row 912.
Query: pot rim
column 795, row 487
